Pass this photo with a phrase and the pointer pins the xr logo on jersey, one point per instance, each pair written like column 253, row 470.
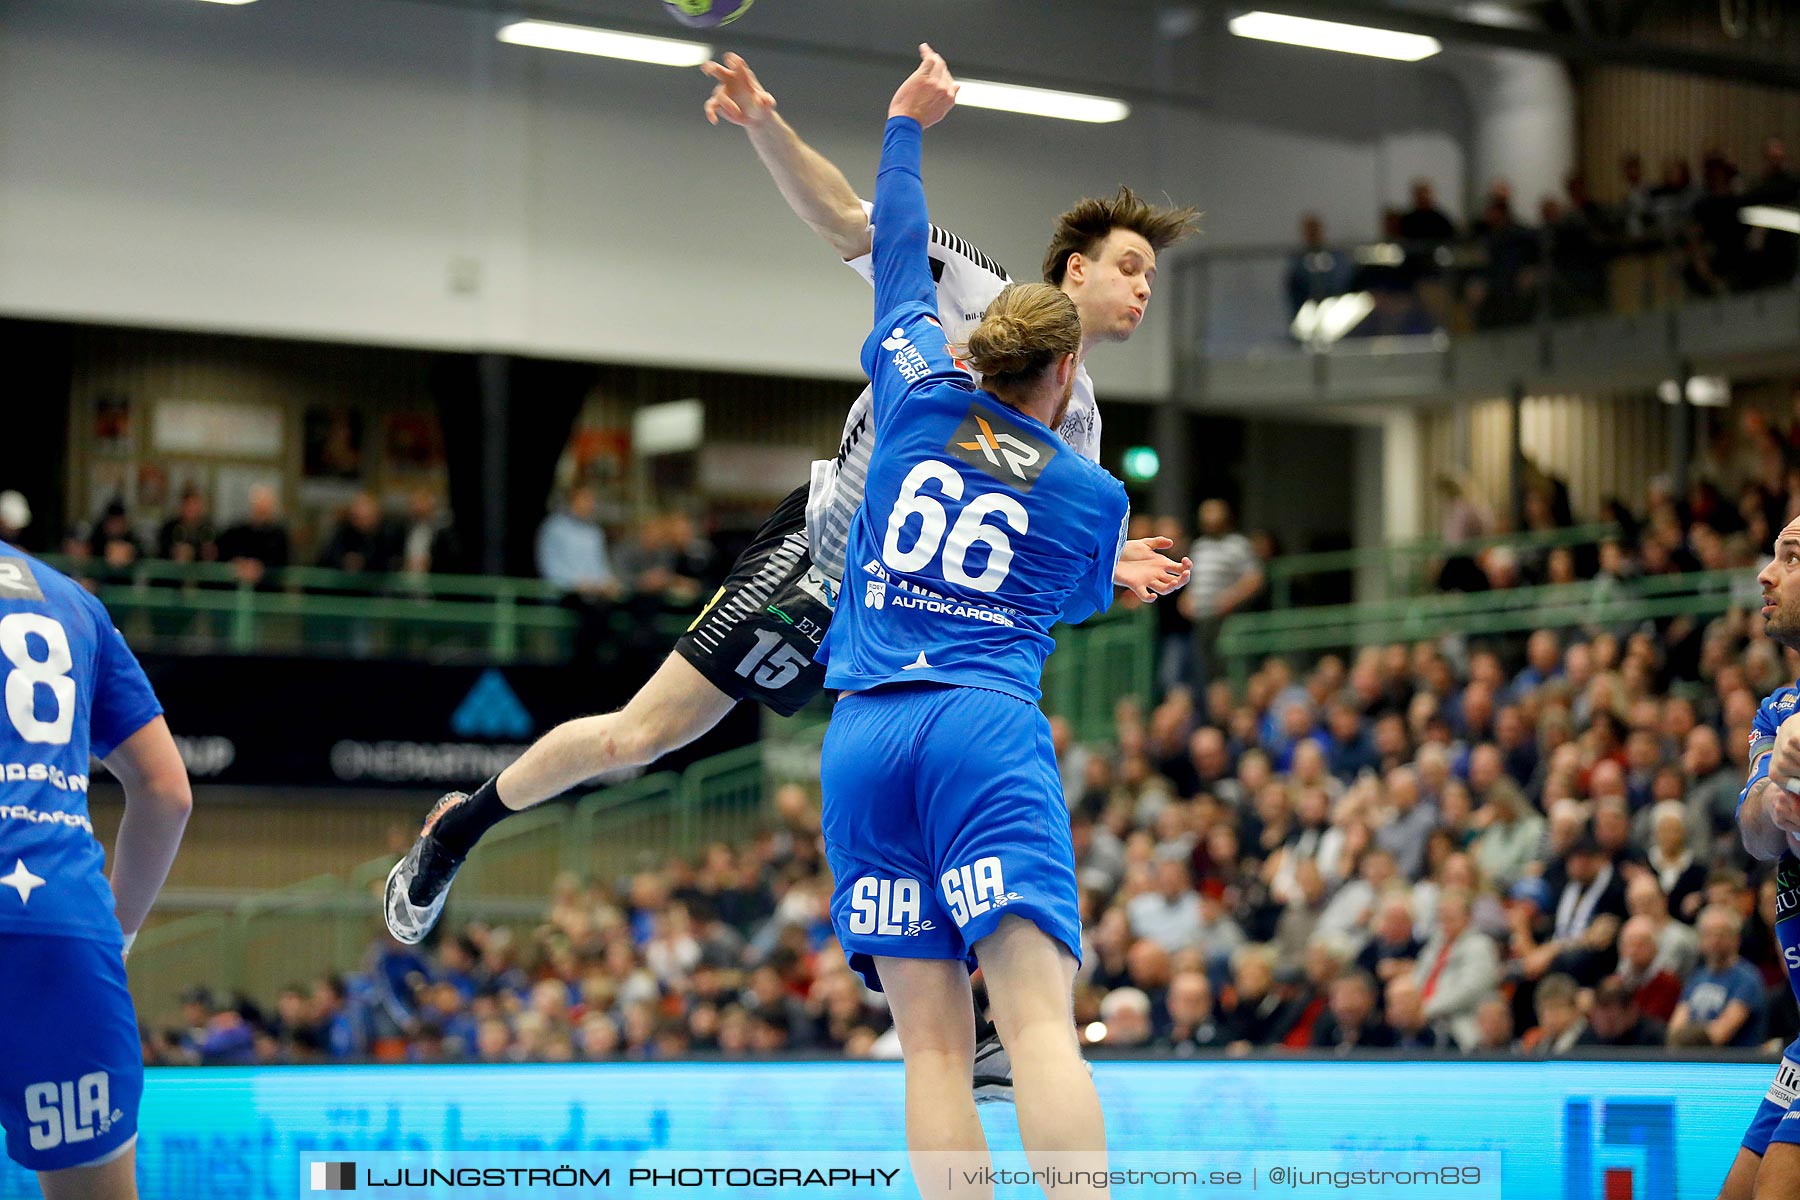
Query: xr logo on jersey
column 1005, row 451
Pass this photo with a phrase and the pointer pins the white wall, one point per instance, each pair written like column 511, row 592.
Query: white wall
column 321, row 168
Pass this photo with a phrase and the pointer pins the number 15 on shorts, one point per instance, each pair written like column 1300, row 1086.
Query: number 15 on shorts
column 974, row 889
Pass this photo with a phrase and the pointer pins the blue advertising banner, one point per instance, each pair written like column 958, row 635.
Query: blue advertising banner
column 1569, row 1130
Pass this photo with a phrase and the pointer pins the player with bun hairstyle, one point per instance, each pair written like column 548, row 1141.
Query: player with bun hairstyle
column 1025, row 329
column 944, row 820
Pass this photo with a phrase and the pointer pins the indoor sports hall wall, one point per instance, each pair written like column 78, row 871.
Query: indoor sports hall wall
column 384, row 171
column 1563, row 1130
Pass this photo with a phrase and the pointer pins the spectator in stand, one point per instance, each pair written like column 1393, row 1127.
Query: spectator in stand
column 1493, row 1028
column 1672, row 199
column 1589, row 909
column 1393, row 951
column 1169, row 915
column 1543, row 665
column 1677, row 943
column 188, row 536
column 1615, row 1021
column 1635, row 215
column 1559, row 1022
column 1226, row 575
column 1408, row 827
column 1425, row 224
column 1126, row 1014
column 1681, row 877
column 1654, row 989
column 258, row 544
column 1510, row 830
column 1457, row 969
column 1723, row 1001
column 571, row 553
column 1352, row 1020
column 1257, row 1014
column 1504, row 290
column 362, row 540
column 1317, row 272
column 1193, row 1023
column 1718, row 241
column 114, row 544
column 428, row 541
column 1405, row 1015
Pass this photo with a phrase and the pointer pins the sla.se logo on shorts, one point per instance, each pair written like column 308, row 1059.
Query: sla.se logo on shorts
column 974, row 889
column 887, row 907
column 62, row 1114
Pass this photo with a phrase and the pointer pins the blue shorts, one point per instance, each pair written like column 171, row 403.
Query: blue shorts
column 71, row 1067
column 1777, row 1119
column 943, row 813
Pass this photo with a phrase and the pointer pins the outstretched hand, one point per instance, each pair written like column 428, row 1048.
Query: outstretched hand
column 737, row 95
column 1148, row 572
column 928, row 94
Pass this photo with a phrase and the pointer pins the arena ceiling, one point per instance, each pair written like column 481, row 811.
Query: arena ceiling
column 1746, row 41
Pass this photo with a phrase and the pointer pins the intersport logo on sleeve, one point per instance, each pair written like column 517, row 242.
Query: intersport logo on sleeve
column 1007, row 451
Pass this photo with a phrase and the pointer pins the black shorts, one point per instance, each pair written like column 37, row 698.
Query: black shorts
column 756, row 638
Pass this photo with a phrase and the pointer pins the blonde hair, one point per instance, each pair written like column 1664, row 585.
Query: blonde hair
column 1026, row 328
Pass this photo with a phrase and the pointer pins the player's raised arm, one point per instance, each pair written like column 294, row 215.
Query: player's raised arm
column 903, row 225
column 811, row 183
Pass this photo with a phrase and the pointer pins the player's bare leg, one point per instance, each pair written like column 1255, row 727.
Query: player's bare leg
column 674, row 707
column 1778, row 1178
column 934, row 1017
column 114, row 1180
column 1030, row 979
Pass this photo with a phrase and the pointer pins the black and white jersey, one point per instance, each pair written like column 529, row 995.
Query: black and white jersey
column 967, row 282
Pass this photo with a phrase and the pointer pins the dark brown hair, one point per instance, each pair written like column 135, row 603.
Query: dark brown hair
column 1084, row 227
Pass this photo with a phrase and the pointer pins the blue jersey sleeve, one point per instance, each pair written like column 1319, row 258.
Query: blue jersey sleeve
column 1769, row 715
column 1111, row 510
column 907, row 348
column 902, row 238
column 124, row 702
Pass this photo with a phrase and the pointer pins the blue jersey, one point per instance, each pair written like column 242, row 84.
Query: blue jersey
column 70, row 687
column 980, row 528
column 1778, row 707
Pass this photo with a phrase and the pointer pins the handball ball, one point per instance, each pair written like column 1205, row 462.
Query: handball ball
column 707, row 14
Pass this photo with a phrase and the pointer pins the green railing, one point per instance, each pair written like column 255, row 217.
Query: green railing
column 1404, row 568
column 328, row 922
column 1481, row 614
column 1098, row 663
column 189, row 607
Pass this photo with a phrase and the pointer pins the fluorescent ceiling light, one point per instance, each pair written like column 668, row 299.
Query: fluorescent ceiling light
column 1041, row 102
column 1333, row 35
column 230, row 1
column 1770, row 216
column 607, row 43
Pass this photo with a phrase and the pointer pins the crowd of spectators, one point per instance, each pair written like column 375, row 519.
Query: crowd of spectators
column 1465, row 848
column 663, row 560
column 1504, row 268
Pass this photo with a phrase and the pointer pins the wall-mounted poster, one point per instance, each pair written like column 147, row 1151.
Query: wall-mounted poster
column 228, row 428
column 333, row 444
column 112, row 425
column 411, row 443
